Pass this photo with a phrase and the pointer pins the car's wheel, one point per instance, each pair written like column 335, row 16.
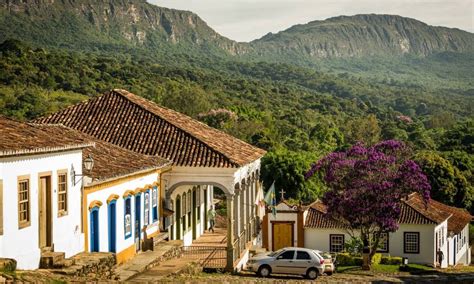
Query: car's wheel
column 312, row 273
column 264, row 271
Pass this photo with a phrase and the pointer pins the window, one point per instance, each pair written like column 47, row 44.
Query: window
column 154, row 202
column 383, row 243
column 336, row 243
column 147, row 208
column 411, row 242
column 62, row 193
column 289, row 254
column 128, row 217
column 23, row 202
column 302, row 255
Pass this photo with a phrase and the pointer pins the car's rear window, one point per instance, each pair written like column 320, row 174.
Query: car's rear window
column 302, row 255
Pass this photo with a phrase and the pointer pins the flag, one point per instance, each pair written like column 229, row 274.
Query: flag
column 270, row 199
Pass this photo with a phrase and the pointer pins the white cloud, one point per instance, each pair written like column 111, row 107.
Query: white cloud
column 245, row 20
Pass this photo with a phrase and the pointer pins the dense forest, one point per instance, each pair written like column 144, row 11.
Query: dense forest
column 296, row 114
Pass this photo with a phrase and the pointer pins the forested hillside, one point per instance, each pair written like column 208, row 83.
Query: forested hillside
column 299, row 94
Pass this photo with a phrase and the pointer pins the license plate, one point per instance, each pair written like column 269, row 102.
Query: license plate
column 328, row 267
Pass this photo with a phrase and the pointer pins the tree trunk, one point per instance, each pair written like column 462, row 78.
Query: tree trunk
column 366, row 258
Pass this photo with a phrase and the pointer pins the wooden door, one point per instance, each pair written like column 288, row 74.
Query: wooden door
column 45, row 214
column 282, row 235
column 112, row 227
column 94, row 220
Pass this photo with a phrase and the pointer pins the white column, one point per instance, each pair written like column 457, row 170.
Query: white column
column 230, row 233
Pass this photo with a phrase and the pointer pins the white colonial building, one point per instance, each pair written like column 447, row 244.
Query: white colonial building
column 424, row 229
column 203, row 158
column 40, row 208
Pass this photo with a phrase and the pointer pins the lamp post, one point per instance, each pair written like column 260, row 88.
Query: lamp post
column 88, row 165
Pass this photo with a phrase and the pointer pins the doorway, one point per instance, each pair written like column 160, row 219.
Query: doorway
column 178, row 218
column 45, row 212
column 282, row 235
column 112, row 226
column 138, row 234
column 94, row 219
column 194, row 215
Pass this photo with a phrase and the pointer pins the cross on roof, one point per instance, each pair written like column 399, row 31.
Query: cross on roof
column 282, row 192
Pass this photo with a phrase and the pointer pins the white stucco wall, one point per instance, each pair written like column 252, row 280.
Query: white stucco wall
column 23, row 244
column 459, row 252
column 102, row 195
column 319, row 239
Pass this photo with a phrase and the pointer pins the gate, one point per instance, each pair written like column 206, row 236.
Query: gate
column 206, row 256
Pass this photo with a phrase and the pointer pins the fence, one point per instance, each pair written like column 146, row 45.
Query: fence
column 207, row 256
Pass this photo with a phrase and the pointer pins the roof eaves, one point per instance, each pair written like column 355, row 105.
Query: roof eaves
column 43, row 150
column 130, row 174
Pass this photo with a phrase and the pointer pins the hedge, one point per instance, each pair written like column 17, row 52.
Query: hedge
column 345, row 259
column 392, row 260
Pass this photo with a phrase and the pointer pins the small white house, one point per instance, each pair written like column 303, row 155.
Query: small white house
column 424, row 229
column 40, row 208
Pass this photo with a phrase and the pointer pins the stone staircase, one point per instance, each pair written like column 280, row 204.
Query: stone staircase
column 51, row 259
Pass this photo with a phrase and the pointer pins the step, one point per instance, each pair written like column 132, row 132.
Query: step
column 52, row 259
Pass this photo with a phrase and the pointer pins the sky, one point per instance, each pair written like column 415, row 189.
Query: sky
column 246, row 20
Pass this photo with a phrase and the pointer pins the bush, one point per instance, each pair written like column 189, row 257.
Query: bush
column 377, row 258
column 345, row 259
column 391, row 260
column 354, row 246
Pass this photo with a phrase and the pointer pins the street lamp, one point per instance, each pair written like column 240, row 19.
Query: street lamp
column 88, row 165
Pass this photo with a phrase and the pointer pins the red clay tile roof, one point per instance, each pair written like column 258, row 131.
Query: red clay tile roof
column 459, row 217
column 19, row 138
column 413, row 211
column 429, row 210
column 110, row 161
column 317, row 218
column 134, row 123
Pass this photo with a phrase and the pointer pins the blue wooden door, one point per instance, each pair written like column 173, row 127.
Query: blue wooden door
column 94, row 219
column 137, row 221
column 112, row 227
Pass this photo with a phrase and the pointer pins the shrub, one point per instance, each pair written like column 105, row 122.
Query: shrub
column 377, row 258
column 391, row 260
column 345, row 259
column 354, row 246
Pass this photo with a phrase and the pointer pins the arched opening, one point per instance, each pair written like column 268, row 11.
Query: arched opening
column 178, row 217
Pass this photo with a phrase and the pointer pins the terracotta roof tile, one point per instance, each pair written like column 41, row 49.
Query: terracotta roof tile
column 19, row 138
column 134, row 123
column 413, row 211
column 110, row 161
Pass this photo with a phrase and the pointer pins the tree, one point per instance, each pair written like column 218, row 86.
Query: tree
column 448, row 183
column 287, row 169
column 366, row 188
column 363, row 129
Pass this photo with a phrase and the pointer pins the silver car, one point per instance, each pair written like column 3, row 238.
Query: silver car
column 291, row 260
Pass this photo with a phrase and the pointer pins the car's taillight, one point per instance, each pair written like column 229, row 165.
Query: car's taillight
column 321, row 261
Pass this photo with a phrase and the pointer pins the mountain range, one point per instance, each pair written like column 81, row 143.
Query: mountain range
column 94, row 24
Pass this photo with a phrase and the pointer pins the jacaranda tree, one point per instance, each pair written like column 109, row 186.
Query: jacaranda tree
column 366, row 188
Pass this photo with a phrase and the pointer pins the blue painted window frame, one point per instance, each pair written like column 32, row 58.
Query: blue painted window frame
column 155, row 206
column 128, row 200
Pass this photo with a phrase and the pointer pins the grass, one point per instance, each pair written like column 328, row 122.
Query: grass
column 387, row 269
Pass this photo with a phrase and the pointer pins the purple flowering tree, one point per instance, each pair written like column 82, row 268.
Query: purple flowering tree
column 367, row 185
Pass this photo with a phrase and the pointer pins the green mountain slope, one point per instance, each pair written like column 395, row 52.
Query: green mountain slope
column 363, row 35
column 107, row 24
